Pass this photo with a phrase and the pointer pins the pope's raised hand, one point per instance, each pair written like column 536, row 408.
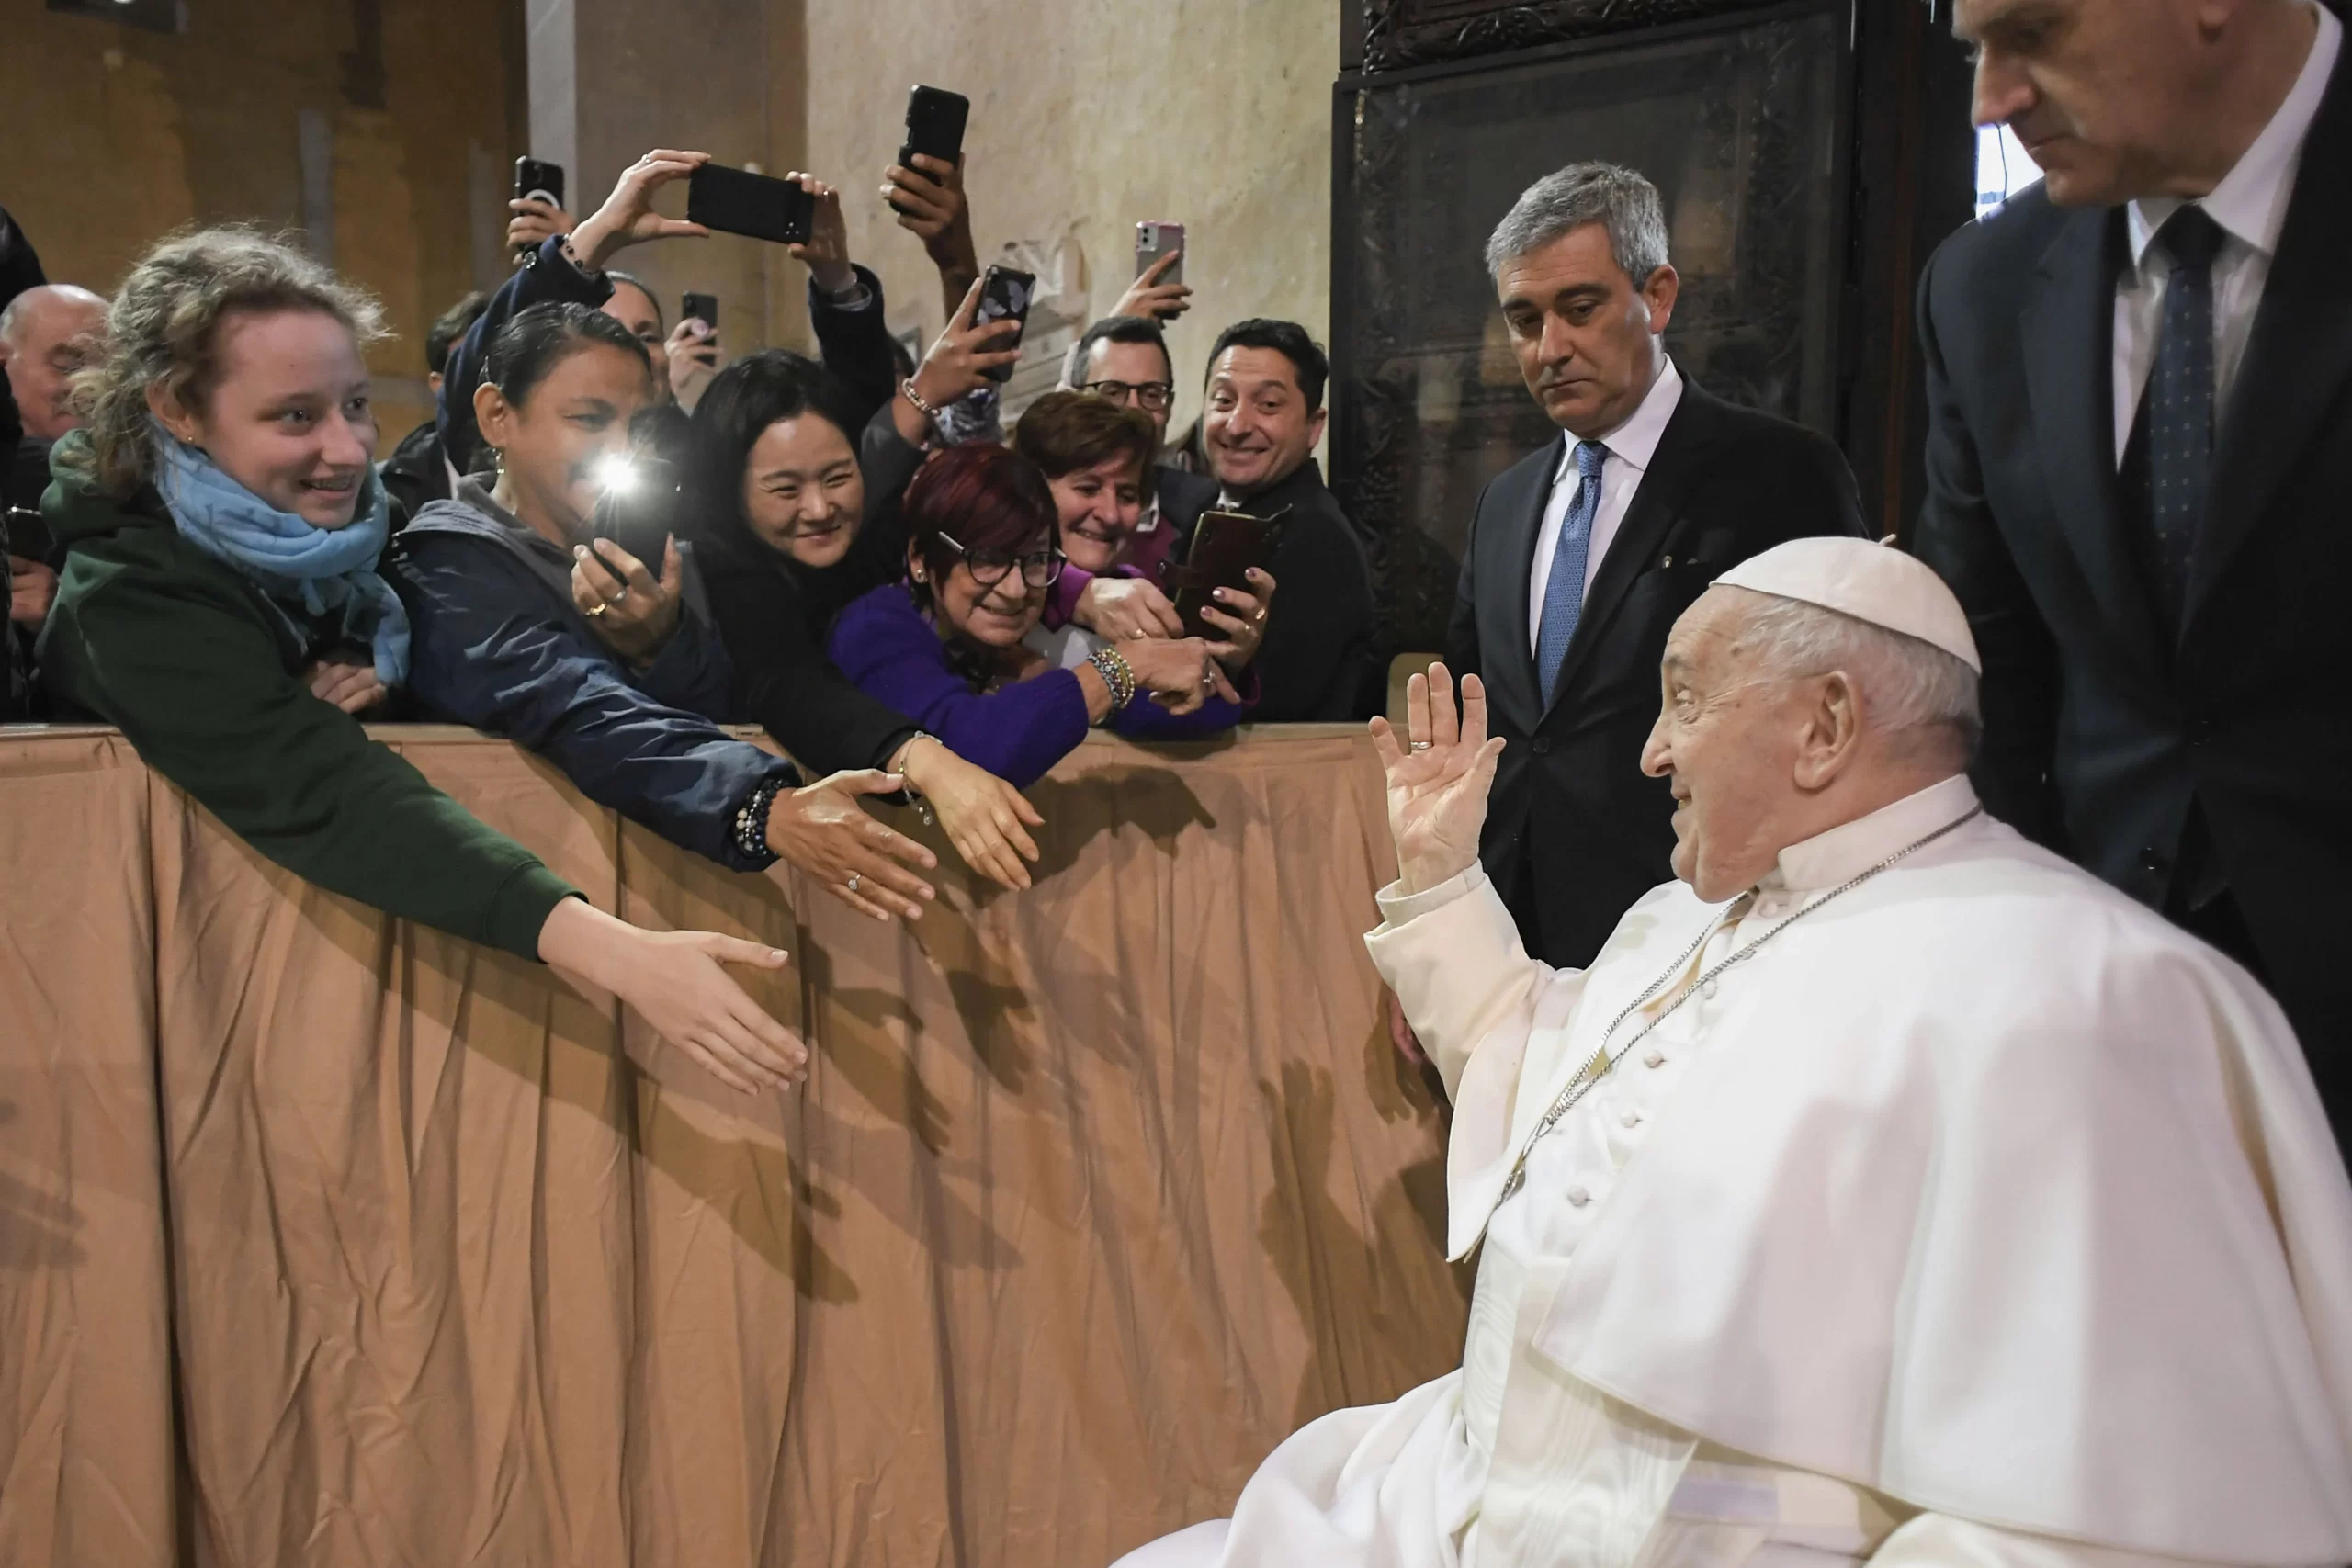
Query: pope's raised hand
column 1437, row 780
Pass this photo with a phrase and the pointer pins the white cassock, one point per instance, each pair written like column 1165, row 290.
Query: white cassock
column 1981, row 1219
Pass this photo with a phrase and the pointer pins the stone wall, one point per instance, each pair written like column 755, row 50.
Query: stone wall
column 1086, row 117
column 381, row 125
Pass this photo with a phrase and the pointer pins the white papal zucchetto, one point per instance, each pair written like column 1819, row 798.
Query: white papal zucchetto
column 1871, row 582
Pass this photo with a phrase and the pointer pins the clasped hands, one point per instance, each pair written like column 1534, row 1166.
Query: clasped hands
column 1438, row 780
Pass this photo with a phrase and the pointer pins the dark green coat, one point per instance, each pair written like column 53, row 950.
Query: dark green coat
column 205, row 678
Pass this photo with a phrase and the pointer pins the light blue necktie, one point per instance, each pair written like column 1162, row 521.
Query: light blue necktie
column 1564, row 590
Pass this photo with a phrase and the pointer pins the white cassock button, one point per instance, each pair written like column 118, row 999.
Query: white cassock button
column 1709, row 989
column 1579, row 1197
column 1631, row 1119
column 1654, row 1059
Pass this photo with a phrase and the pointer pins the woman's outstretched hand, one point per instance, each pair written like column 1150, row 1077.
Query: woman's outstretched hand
column 675, row 982
column 1438, row 780
column 986, row 818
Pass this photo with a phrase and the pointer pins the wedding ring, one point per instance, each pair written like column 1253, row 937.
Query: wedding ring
column 617, row 598
column 1421, row 745
column 852, row 882
column 598, row 609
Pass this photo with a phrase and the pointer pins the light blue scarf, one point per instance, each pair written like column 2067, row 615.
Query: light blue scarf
column 324, row 570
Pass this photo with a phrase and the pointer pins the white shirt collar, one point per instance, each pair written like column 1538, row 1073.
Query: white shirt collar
column 1850, row 848
column 2250, row 204
column 1634, row 443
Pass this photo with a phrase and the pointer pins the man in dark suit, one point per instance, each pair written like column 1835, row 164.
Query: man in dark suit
column 1582, row 555
column 2140, row 451
column 1263, row 414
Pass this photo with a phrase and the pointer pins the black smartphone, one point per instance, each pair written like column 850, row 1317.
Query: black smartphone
column 1004, row 296
column 637, row 514
column 26, row 533
column 740, row 202
column 703, row 308
column 536, row 181
column 1226, row 544
column 936, row 120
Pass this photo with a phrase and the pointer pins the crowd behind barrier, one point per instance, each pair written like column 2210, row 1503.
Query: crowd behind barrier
column 1012, row 1107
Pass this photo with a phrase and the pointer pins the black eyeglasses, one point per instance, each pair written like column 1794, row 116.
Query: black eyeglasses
column 1153, row 395
column 1039, row 568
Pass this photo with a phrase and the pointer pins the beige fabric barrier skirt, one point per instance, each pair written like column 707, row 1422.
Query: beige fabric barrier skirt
column 326, row 1239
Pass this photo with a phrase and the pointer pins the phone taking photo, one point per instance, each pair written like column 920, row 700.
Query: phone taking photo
column 703, row 308
column 735, row 201
column 1006, row 294
column 1225, row 545
column 1154, row 240
column 538, row 181
column 936, row 120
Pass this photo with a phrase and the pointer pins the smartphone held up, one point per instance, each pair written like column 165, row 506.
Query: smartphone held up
column 1155, row 239
column 1006, row 294
column 737, row 201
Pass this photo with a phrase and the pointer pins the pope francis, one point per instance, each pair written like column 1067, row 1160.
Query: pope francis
column 1888, row 1190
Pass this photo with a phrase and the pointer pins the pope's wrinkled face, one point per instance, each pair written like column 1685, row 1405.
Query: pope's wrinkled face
column 1727, row 739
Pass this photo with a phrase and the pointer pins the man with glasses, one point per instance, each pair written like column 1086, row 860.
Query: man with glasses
column 1125, row 359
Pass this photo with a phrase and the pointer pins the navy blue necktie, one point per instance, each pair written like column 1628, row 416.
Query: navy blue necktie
column 1564, row 590
column 2179, row 404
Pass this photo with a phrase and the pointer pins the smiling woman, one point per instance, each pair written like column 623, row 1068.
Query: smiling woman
column 220, row 603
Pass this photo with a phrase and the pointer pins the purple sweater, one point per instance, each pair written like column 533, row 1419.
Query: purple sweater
column 883, row 644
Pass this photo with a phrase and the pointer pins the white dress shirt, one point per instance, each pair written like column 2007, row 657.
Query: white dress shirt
column 2250, row 205
column 1630, row 447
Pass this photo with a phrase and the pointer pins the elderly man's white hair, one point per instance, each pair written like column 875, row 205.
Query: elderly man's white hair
column 1617, row 199
column 1907, row 683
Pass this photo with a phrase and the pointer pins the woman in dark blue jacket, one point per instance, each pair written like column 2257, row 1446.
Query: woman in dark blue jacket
column 527, row 624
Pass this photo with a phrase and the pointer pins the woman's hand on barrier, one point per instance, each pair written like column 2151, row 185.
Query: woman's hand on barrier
column 982, row 814
column 823, row 831
column 1242, row 618
column 1120, row 609
column 630, row 613
column 675, row 981
column 1178, row 673
column 535, row 222
column 347, row 681
column 627, row 215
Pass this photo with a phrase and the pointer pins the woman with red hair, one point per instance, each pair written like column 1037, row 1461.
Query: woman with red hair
column 944, row 648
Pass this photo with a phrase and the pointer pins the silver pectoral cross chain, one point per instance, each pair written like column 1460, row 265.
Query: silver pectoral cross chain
column 1604, row 1060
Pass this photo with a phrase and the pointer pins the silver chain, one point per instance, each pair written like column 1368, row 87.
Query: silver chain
column 1585, row 1081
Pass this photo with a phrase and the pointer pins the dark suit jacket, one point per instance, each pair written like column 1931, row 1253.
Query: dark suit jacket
column 1575, row 832
column 1318, row 661
column 2102, row 724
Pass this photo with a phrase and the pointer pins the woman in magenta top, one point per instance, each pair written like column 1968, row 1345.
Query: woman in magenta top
column 945, row 647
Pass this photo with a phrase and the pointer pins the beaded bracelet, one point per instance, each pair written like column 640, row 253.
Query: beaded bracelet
column 907, row 390
column 1116, row 673
column 751, row 824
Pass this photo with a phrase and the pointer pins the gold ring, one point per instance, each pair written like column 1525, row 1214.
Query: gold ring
column 598, row 609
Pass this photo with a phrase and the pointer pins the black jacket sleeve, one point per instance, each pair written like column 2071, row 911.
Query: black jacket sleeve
column 485, row 653
column 1316, row 660
column 543, row 277
column 1957, row 535
column 855, row 342
column 784, row 682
